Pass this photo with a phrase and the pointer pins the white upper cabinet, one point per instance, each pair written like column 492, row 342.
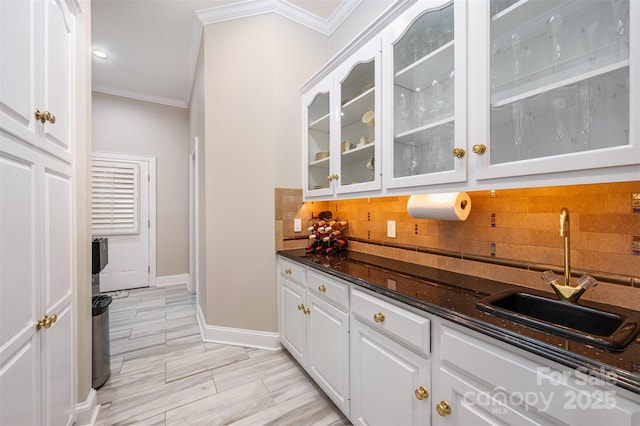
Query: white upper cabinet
column 317, row 124
column 556, row 86
column 342, row 141
column 424, row 84
column 357, row 83
column 484, row 94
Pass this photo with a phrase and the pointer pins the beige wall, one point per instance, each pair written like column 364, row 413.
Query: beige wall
column 130, row 126
column 253, row 68
column 357, row 21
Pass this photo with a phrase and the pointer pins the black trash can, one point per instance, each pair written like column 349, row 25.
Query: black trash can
column 101, row 355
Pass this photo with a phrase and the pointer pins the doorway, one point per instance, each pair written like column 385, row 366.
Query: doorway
column 127, row 183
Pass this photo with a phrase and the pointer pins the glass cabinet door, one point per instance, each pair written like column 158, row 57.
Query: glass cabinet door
column 559, row 85
column 317, row 122
column 425, row 54
column 358, row 86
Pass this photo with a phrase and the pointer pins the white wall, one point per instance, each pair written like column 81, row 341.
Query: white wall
column 130, row 126
column 253, row 68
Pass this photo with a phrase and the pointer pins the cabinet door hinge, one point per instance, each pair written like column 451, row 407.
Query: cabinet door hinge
column 149, row 223
column 149, row 269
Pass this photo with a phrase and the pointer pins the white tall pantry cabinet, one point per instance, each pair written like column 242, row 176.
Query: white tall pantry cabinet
column 37, row 210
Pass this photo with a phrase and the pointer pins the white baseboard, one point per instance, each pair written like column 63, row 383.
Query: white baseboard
column 167, row 280
column 87, row 412
column 237, row 336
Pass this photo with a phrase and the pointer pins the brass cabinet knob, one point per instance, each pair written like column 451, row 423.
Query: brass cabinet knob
column 322, row 288
column 46, row 321
column 422, row 393
column 306, row 311
column 40, row 322
column 443, row 408
column 49, row 117
column 329, row 178
column 300, row 307
column 288, row 271
column 458, row 152
column 479, row 148
column 335, row 177
column 379, row 317
column 44, row 116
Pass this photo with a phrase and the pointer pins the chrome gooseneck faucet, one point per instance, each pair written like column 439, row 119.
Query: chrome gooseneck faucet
column 564, row 232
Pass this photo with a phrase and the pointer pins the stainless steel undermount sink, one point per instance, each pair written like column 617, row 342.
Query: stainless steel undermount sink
column 599, row 325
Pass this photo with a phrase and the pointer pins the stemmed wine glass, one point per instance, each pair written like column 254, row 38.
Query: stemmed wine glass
column 571, row 117
column 619, row 11
column 554, row 28
column 590, row 35
column 403, row 107
column 518, row 49
column 419, row 107
column 559, row 105
column 411, row 158
column 436, row 97
column 588, row 98
column 518, row 124
column 436, row 153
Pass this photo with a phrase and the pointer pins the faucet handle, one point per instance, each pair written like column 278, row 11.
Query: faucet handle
column 549, row 277
column 587, row 282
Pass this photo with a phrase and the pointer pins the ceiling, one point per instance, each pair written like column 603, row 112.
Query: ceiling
column 153, row 44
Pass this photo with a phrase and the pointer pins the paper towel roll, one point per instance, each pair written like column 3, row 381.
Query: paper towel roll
column 447, row 206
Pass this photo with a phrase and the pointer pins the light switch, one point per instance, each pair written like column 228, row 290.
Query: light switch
column 297, row 225
column 391, row 228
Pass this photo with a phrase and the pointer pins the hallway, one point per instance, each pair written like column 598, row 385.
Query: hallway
column 163, row 374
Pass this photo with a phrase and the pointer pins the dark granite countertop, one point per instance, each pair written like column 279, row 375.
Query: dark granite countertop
column 453, row 296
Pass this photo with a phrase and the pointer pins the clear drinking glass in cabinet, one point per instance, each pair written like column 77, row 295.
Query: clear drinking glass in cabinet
column 357, row 125
column 424, row 95
column 319, row 148
column 559, row 77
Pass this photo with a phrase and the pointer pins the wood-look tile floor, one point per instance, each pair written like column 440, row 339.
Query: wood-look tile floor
column 162, row 373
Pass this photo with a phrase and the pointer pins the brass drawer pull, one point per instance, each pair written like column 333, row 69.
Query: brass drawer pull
column 379, row 317
column 288, row 271
column 322, row 288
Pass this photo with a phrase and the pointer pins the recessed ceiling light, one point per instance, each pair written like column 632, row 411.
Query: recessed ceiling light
column 99, row 54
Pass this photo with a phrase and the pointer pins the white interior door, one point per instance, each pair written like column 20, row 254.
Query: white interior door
column 129, row 252
column 37, row 246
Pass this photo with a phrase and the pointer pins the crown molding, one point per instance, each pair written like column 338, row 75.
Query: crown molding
column 378, row 24
column 248, row 8
column 115, row 91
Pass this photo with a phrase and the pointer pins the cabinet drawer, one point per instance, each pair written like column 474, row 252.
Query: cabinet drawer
column 329, row 289
column 569, row 396
column 410, row 328
column 292, row 270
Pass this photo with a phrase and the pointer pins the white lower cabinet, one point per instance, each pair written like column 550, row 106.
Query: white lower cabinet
column 483, row 381
column 328, row 349
column 382, row 364
column 314, row 328
column 386, row 380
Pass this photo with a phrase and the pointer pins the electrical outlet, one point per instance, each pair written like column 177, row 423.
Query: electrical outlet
column 391, row 228
column 297, row 225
